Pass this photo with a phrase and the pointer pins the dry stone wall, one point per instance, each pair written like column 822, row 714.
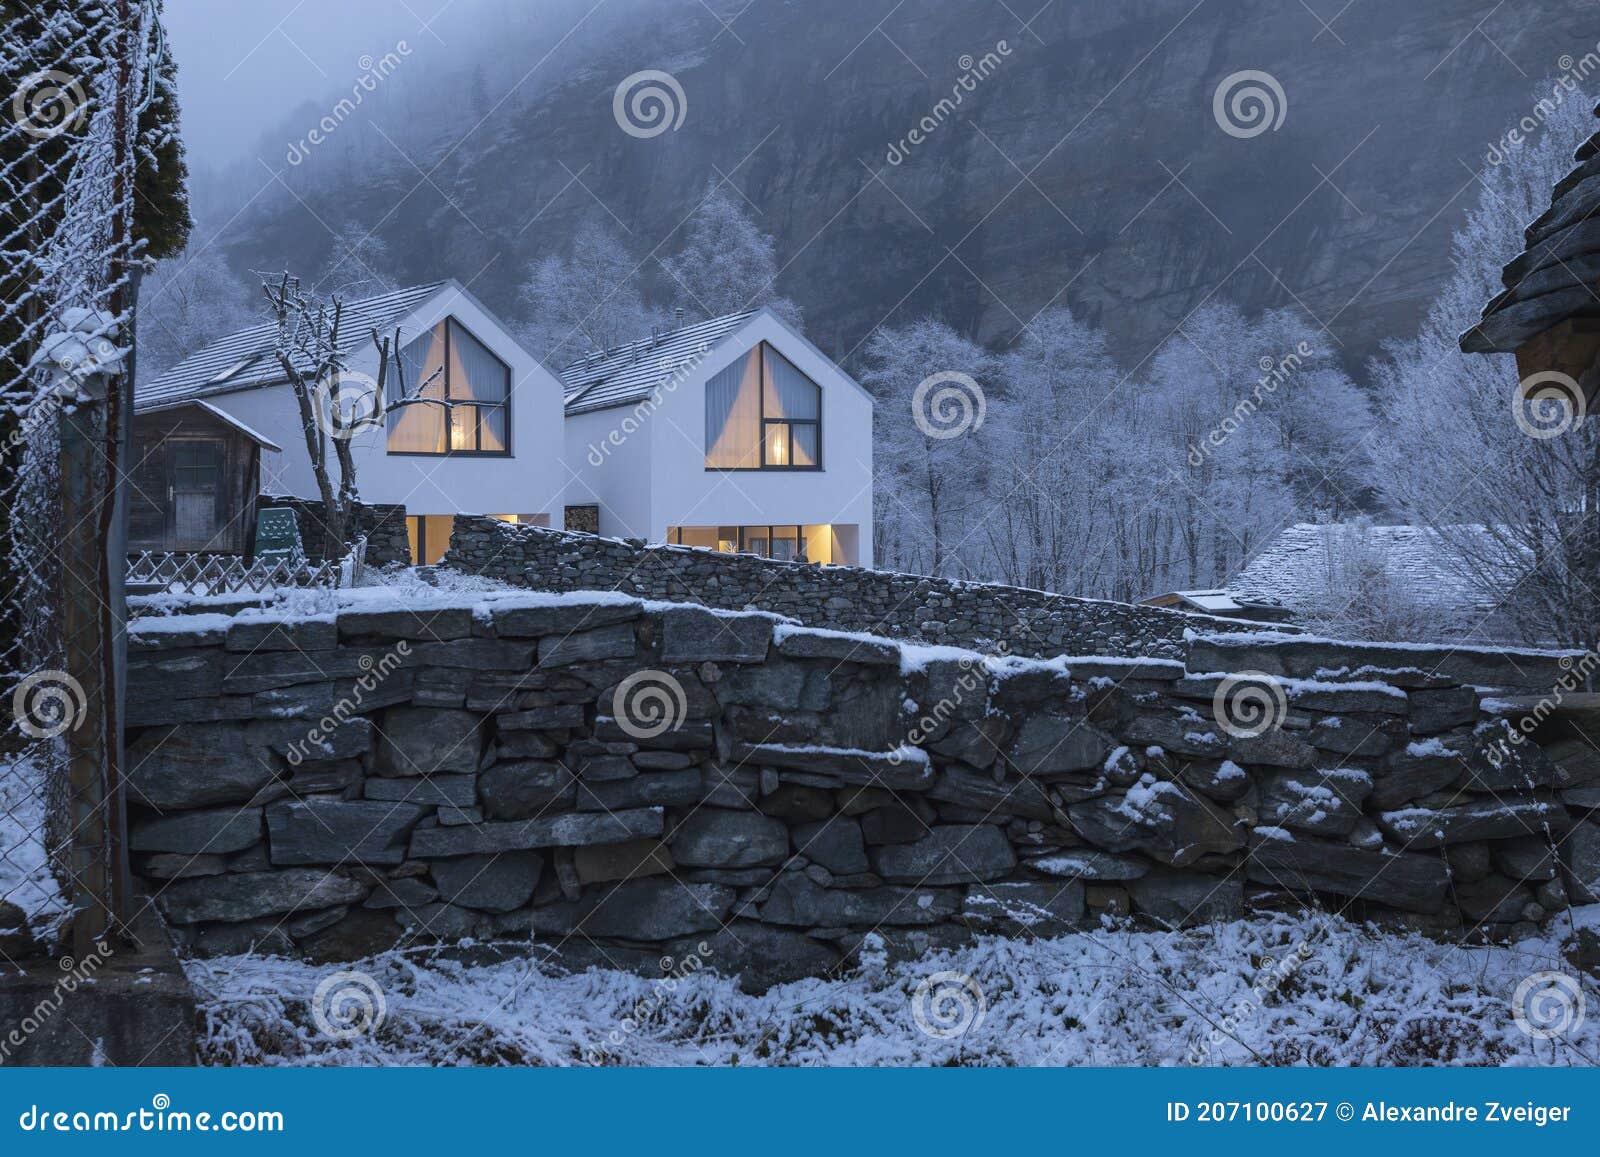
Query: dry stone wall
column 383, row 523
column 845, row 598
column 615, row 781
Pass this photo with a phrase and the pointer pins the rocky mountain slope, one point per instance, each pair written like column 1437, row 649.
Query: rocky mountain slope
column 1085, row 166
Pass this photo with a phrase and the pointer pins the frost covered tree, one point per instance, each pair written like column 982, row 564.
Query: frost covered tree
column 1451, row 456
column 188, row 301
column 727, row 263
column 1262, row 429
column 928, row 445
column 358, row 265
column 1055, row 433
column 583, row 300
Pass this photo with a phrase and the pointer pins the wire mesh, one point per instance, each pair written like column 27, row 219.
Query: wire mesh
column 70, row 77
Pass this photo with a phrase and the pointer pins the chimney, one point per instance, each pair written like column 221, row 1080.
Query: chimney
column 677, row 317
column 655, row 336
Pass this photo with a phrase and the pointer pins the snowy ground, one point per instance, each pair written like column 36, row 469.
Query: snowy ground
column 25, row 878
column 1240, row 993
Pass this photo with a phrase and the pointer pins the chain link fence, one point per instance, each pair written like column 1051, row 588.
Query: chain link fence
column 72, row 78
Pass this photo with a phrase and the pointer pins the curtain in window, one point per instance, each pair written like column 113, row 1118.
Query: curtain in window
column 803, row 445
column 733, row 415
column 475, row 373
column 419, row 429
column 789, row 393
column 492, row 429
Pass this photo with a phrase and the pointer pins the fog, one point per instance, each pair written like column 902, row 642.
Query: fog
column 244, row 65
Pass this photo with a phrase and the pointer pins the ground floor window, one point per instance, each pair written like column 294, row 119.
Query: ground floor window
column 789, row 542
column 429, row 534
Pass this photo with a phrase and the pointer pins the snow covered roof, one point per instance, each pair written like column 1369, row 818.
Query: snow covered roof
column 220, row 415
column 631, row 372
column 245, row 360
column 1295, row 569
column 1216, row 602
column 1549, row 282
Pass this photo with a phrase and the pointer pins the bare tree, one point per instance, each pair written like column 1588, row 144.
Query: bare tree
column 1512, row 510
column 311, row 352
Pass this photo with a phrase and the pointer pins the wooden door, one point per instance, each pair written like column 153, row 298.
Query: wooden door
column 194, row 492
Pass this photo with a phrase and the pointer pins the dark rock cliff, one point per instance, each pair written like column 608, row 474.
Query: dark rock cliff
column 1087, row 168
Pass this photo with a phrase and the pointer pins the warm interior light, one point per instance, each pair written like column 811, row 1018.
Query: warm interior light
column 777, row 445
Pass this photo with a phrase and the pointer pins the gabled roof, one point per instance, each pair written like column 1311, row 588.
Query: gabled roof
column 245, row 360
column 632, row 372
column 1549, row 282
column 220, row 415
column 1296, row 570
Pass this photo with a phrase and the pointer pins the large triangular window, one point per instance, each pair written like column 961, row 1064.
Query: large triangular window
column 763, row 414
column 453, row 367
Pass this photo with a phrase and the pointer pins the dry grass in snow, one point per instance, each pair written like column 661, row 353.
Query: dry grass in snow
column 1280, row 990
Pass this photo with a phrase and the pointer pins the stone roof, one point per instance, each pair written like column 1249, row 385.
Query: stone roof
column 1295, row 569
column 629, row 373
column 245, row 359
column 1549, row 282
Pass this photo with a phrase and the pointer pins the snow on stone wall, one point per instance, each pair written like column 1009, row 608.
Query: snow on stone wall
column 619, row 781
column 846, row 598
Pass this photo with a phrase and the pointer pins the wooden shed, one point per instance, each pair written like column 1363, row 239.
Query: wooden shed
column 196, row 475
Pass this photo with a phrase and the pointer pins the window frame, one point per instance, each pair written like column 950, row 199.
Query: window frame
column 743, row 537
column 761, row 393
column 450, row 322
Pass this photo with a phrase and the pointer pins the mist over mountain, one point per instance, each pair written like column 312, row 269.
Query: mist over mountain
column 1083, row 164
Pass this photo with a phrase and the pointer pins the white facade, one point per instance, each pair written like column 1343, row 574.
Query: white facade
column 526, row 481
column 643, row 463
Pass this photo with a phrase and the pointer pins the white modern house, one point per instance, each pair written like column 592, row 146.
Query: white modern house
column 495, row 450
column 734, row 433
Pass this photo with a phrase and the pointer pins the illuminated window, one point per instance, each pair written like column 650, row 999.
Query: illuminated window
column 459, row 369
column 763, row 414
